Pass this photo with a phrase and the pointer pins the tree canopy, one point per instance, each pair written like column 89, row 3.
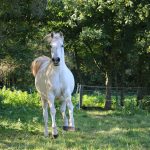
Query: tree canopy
column 105, row 40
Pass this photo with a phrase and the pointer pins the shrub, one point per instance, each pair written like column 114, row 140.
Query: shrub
column 18, row 97
column 146, row 103
column 93, row 100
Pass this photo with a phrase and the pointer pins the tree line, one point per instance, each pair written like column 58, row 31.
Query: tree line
column 107, row 42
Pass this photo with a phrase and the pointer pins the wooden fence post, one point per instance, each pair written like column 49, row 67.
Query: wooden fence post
column 117, row 101
column 122, row 96
column 80, row 96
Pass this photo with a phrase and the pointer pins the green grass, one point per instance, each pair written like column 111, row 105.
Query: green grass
column 21, row 127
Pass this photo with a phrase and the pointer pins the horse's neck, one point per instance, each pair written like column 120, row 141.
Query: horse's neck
column 63, row 58
column 62, row 61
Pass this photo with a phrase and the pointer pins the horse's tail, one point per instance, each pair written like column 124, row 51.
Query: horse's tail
column 37, row 63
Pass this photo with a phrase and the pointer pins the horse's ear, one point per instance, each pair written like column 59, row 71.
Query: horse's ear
column 52, row 34
column 49, row 37
column 61, row 34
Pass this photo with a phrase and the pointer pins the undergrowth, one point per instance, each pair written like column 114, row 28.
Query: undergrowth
column 21, row 126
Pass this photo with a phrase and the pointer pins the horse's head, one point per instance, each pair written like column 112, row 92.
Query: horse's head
column 56, row 41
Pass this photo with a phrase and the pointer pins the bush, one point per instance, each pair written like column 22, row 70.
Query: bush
column 18, row 97
column 93, row 100
column 146, row 103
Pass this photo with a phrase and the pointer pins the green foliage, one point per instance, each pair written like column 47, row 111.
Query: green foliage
column 18, row 98
column 130, row 103
column 21, row 127
column 145, row 103
column 109, row 35
column 94, row 100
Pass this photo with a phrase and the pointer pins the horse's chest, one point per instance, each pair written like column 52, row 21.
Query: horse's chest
column 55, row 84
column 51, row 82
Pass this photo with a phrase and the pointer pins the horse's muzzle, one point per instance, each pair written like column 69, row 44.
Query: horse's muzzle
column 56, row 61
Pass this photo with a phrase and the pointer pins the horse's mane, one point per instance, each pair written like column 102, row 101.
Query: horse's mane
column 37, row 63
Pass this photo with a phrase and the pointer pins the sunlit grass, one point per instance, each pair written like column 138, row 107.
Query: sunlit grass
column 21, row 127
column 98, row 100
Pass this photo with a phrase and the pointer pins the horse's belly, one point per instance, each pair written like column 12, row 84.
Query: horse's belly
column 57, row 93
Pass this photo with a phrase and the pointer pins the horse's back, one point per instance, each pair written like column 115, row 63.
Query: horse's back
column 39, row 68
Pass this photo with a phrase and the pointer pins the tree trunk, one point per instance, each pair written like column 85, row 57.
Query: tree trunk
column 108, row 91
column 122, row 96
column 140, row 70
column 78, row 65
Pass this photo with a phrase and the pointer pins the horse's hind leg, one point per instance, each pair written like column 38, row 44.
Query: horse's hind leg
column 63, row 111
column 45, row 115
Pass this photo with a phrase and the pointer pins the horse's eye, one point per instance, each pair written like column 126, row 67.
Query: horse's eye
column 62, row 46
column 48, row 46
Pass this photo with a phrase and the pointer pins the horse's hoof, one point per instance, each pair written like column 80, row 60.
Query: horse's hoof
column 65, row 128
column 55, row 136
column 46, row 135
column 71, row 129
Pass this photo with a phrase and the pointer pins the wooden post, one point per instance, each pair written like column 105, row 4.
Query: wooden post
column 122, row 96
column 108, row 92
column 80, row 96
column 117, row 102
column 139, row 96
column 78, row 86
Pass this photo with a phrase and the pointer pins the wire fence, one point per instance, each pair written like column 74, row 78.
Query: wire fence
column 95, row 96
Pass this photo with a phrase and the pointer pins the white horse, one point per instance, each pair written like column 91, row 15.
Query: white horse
column 53, row 80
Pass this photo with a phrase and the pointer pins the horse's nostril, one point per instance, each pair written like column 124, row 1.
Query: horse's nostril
column 53, row 59
column 58, row 59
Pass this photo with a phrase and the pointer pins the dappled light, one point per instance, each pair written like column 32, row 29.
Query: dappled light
column 21, row 127
column 107, row 49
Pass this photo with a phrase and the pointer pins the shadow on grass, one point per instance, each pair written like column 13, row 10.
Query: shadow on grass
column 17, row 138
column 98, row 130
column 12, row 133
column 24, row 113
column 114, row 129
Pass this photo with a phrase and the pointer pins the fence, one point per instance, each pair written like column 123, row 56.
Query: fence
column 120, row 96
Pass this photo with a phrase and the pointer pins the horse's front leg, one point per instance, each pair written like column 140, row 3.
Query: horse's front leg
column 63, row 111
column 71, row 118
column 53, row 113
column 45, row 115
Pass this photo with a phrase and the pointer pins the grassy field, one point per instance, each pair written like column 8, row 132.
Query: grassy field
column 21, row 127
